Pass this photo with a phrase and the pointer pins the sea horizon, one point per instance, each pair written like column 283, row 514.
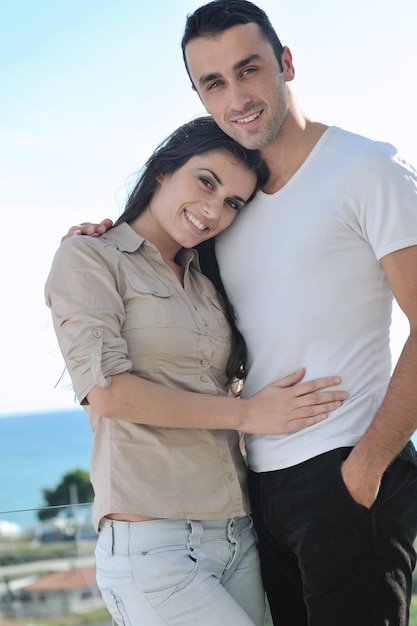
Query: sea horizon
column 37, row 448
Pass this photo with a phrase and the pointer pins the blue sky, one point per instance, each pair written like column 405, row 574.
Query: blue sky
column 89, row 88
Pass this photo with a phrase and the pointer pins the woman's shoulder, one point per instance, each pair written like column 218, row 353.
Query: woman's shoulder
column 84, row 251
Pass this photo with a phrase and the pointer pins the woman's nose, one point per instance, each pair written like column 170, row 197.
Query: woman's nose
column 213, row 208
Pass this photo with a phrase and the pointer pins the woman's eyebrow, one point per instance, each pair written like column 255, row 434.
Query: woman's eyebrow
column 215, row 176
column 220, row 182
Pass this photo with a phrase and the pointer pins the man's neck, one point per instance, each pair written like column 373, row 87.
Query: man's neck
column 290, row 149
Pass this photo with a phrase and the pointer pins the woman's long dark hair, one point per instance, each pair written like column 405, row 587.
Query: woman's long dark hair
column 199, row 136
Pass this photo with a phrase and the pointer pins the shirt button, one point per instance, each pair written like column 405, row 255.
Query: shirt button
column 231, row 476
column 204, row 379
column 225, row 458
column 206, row 323
column 205, row 363
column 97, row 333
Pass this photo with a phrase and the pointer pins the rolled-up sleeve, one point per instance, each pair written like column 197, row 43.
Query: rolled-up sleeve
column 82, row 291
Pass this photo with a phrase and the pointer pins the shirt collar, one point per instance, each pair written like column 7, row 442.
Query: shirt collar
column 128, row 240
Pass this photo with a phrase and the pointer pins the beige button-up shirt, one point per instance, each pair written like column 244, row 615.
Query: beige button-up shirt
column 117, row 307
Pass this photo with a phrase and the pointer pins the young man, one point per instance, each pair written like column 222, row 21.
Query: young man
column 335, row 506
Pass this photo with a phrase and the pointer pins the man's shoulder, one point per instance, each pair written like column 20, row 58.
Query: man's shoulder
column 358, row 141
column 359, row 149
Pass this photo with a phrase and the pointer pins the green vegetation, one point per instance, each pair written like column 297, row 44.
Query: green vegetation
column 97, row 618
column 413, row 611
column 75, row 482
column 24, row 551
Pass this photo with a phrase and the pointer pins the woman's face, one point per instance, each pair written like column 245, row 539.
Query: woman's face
column 197, row 201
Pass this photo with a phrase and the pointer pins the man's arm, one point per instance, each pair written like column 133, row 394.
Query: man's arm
column 396, row 419
column 89, row 228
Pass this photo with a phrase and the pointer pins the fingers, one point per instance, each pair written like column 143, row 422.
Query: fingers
column 93, row 230
column 74, row 230
column 319, row 398
column 311, row 414
column 305, row 422
column 88, row 228
column 291, row 379
column 313, row 410
column 309, row 393
column 309, row 386
column 317, row 384
column 107, row 223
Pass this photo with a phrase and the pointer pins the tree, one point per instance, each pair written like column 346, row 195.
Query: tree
column 78, row 480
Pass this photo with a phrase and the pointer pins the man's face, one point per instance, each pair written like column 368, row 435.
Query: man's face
column 239, row 81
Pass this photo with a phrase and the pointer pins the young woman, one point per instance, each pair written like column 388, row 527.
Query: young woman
column 152, row 350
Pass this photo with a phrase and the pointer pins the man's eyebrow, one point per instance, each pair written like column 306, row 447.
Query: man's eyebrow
column 247, row 61
column 203, row 80
column 220, row 182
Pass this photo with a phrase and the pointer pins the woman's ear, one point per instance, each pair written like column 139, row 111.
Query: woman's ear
column 160, row 179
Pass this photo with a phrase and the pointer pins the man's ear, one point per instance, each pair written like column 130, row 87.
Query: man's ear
column 287, row 64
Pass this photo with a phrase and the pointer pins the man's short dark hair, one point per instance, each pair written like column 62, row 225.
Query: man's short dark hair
column 219, row 15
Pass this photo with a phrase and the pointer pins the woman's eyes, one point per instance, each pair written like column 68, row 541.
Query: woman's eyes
column 207, row 182
column 233, row 204
column 229, row 201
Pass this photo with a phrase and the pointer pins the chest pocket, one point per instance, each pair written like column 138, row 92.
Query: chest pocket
column 153, row 306
column 215, row 316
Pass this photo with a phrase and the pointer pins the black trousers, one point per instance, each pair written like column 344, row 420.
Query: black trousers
column 328, row 561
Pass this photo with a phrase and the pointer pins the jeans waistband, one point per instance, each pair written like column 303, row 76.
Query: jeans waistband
column 143, row 536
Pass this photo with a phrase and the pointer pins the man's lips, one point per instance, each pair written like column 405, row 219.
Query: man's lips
column 248, row 119
column 253, row 112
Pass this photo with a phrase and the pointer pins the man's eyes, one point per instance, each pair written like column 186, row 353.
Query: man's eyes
column 217, row 83
column 245, row 72
column 249, row 70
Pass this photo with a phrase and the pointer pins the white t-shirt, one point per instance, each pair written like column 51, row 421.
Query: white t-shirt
column 302, row 270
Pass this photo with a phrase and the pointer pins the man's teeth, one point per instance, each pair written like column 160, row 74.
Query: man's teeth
column 246, row 120
column 195, row 221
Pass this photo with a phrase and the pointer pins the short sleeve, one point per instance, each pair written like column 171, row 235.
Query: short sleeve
column 385, row 199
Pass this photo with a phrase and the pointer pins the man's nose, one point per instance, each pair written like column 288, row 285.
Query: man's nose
column 238, row 97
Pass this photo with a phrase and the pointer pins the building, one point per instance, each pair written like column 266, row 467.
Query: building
column 68, row 592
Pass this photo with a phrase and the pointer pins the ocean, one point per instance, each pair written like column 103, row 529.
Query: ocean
column 36, row 450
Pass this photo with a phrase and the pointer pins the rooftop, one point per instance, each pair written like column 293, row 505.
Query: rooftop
column 65, row 580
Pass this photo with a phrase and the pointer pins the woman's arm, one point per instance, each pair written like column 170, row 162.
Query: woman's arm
column 88, row 313
column 279, row 408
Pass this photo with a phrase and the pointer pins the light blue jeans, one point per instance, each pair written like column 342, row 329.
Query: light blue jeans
column 181, row 573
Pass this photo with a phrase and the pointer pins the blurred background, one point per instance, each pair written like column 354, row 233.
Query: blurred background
column 89, row 87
